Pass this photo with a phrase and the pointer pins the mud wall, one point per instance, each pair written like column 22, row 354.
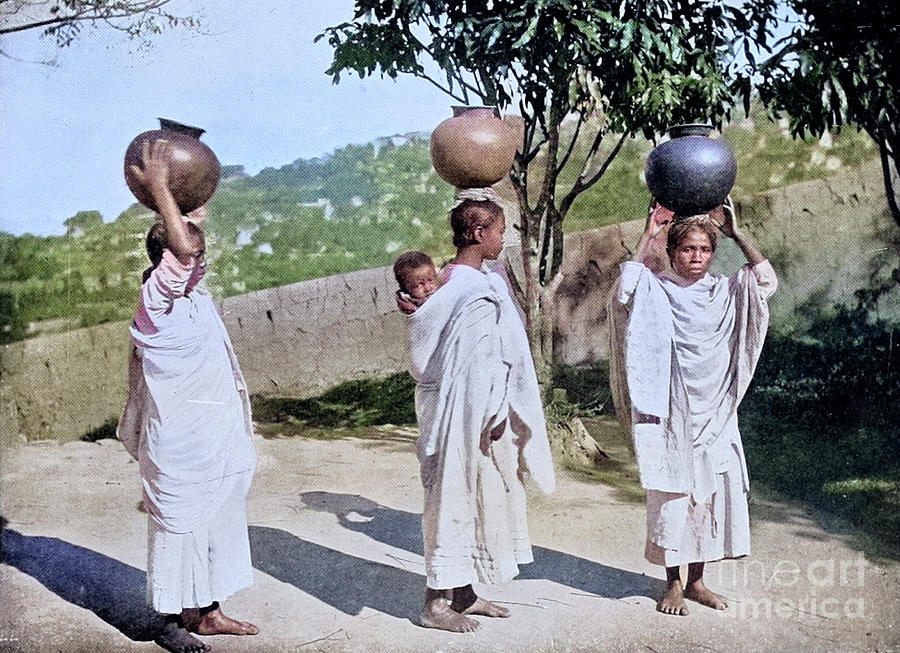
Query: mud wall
column 826, row 238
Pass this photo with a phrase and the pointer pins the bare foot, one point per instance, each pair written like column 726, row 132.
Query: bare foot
column 701, row 594
column 176, row 639
column 486, row 608
column 672, row 602
column 215, row 622
column 437, row 613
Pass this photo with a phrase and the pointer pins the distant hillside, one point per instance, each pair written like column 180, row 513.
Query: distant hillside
column 354, row 209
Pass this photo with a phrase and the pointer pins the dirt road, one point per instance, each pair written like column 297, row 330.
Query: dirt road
column 338, row 566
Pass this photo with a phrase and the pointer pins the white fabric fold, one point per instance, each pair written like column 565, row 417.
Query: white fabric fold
column 187, row 419
column 470, row 326
column 687, row 356
column 473, row 369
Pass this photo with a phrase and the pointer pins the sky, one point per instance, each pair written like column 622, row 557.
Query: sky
column 254, row 81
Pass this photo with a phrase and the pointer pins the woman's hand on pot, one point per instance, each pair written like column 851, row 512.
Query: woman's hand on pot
column 729, row 219
column 658, row 219
column 154, row 172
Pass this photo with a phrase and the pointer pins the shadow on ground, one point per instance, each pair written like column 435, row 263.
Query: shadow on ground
column 402, row 529
column 341, row 580
column 770, row 505
column 110, row 589
column 115, row 591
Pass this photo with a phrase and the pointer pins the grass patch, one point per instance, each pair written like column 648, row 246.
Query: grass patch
column 815, row 427
column 353, row 404
column 296, row 429
column 583, row 391
column 105, row 430
column 822, row 422
column 367, row 408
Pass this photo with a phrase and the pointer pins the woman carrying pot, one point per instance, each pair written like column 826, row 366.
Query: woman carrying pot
column 686, row 349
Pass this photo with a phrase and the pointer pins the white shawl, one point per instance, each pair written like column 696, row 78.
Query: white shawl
column 473, row 367
column 683, row 359
column 187, row 419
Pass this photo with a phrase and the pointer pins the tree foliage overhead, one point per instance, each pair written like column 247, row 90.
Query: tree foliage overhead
column 613, row 68
column 839, row 65
column 64, row 19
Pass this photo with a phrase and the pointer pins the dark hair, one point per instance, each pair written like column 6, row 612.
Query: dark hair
column 469, row 215
column 156, row 242
column 683, row 226
column 408, row 261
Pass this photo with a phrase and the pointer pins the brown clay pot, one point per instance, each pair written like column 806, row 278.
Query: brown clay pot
column 194, row 170
column 474, row 148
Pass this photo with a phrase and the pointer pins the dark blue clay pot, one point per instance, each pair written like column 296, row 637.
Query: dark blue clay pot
column 691, row 173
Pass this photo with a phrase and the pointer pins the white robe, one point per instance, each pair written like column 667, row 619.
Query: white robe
column 682, row 357
column 187, row 422
column 473, row 367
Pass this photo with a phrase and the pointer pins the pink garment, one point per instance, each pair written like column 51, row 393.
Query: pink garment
column 187, row 419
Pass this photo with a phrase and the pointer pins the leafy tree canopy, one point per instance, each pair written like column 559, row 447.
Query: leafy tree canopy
column 83, row 221
column 644, row 64
column 616, row 68
column 838, row 65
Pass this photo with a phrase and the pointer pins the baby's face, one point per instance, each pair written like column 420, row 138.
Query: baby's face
column 421, row 282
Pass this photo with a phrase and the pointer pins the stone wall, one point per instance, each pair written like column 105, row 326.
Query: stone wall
column 825, row 238
column 308, row 336
column 61, row 385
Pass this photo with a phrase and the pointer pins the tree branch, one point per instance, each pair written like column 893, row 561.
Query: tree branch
column 609, row 159
column 514, row 282
column 562, row 163
column 883, row 150
column 592, row 151
column 581, row 185
column 524, row 210
column 548, row 184
column 446, row 90
column 28, row 15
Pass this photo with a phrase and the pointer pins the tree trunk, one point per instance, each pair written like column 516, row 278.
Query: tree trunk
column 539, row 303
column 534, row 311
column 889, row 150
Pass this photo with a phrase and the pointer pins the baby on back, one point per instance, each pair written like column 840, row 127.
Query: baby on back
column 417, row 278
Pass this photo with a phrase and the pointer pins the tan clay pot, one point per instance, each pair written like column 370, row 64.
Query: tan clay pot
column 474, row 148
column 194, row 170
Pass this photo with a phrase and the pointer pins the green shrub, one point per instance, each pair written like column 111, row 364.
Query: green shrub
column 586, row 387
column 105, row 430
column 365, row 402
column 822, row 420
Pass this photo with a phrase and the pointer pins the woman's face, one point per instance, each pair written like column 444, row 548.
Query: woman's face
column 492, row 238
column 692, row 256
